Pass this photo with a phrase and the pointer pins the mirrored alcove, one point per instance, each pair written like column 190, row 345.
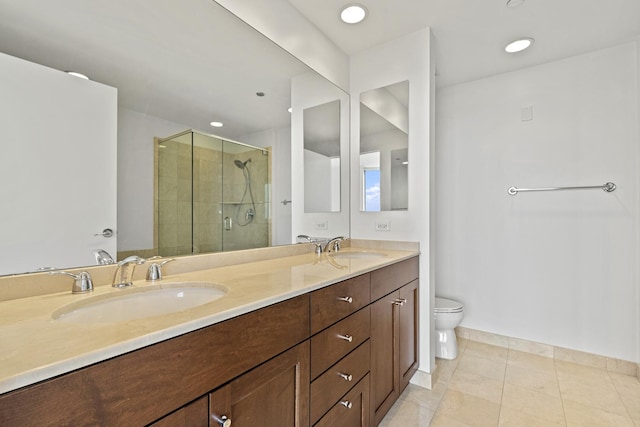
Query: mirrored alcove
column 322, row 158
column 384, row 142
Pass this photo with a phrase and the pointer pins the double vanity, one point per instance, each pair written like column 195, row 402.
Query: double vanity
column 282, row 338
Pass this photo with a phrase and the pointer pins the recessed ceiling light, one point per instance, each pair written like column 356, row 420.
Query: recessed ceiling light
column 79, row 75
column 519, row 45
column 353, row 13
column 216, row 124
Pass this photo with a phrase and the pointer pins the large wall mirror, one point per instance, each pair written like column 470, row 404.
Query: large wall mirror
column 384, row 141
column 177, row 66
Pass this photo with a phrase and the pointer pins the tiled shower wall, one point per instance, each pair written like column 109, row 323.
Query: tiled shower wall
column 190, row 213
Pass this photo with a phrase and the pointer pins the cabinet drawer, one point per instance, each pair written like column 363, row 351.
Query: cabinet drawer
column 336, row 302
column 335, row 382
column 333, row 343
column 390, row 278
column 352, row 410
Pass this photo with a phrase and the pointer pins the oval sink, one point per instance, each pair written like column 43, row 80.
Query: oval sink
column 357, row 254
column 138, row 303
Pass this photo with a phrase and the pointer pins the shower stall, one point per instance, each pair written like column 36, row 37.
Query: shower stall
column 212, row 195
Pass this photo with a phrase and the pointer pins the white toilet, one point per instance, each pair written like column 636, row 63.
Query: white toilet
column 448, row 314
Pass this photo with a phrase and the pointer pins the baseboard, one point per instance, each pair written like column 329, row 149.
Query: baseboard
column 558, row 353
column 424, row 379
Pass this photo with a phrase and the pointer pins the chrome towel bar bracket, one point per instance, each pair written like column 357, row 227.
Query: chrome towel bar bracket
column 608, row 187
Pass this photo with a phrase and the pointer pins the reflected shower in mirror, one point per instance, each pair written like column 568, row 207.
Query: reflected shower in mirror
column 322, row 158
column 384, row 142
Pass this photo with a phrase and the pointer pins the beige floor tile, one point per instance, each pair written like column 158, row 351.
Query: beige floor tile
column 531, row 361
column 440, row 420
column 581, row 415
column 446, row 368
column 533, row 402
column 545, row 382
column 629, row 390
column 621, row 367
column 586, row 374
column 424, row 397
column 603, row 396
column 406, row 413
column 482, row 366
column 512, row 418
column 487, row 351
column 469, row 409
column 477, row 385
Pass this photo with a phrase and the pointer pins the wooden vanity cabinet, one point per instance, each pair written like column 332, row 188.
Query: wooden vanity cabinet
column 195, row 414
column 394, row 334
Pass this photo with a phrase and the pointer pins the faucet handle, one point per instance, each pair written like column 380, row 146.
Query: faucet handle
column 155, row 270
column 82, row 281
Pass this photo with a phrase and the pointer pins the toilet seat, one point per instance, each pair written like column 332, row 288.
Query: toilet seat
column 444, row 305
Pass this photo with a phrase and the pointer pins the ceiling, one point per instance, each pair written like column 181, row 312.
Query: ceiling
column 187, row 62
column 471, row 34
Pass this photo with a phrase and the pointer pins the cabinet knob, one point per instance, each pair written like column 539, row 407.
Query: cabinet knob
column 223, row 421
column 346, row 404
column 346, row 337
column 346, row 377
column 346, row 299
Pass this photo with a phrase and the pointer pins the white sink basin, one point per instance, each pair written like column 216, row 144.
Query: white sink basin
column 358, row 255
column 140, row 302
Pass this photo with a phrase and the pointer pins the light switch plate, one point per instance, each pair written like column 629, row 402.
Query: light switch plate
column 322, row 225
column 383, row 225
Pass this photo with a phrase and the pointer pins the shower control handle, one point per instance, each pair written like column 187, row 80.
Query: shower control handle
column 107, row 232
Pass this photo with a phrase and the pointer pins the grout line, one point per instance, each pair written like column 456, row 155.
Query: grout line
column 564, row 413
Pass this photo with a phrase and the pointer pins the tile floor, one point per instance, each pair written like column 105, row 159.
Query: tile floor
column 495, row 386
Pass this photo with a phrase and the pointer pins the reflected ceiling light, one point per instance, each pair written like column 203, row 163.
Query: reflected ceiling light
column 79, row 75
column 519, row 45
column 353, row 13
column 289, row 109
column 514, row 3
column 216, row 124
column 405, row 163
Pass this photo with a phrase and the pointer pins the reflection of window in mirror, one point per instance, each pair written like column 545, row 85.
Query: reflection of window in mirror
column 384, row 140
column 322, row 158
column 370, row 173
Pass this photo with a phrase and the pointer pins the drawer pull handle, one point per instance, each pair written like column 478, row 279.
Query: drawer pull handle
column 399, row 301
column 346, row 299
column 346, row 404
column 346, row 377
column 346, row 337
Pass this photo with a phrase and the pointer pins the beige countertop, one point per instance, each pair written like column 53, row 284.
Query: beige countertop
column 35, row 347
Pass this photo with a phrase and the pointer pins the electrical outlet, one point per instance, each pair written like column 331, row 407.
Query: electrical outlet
column 322, row 225
column 383, row 225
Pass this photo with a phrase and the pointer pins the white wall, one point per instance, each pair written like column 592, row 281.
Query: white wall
column 318, row 182
column 57, row 167
column 406, row 58
column 554, row 267
column 135, row 176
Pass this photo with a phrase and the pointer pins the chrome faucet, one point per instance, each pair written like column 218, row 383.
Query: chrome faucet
column 81, row 282
column 102, row 257
column 313, row 240
column 154, row 273
column 333, row 244
column 124, row 273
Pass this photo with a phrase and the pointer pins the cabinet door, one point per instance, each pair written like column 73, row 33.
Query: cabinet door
column 195, row 414
column 384, row 355
column 409, row 356
column 273, row 394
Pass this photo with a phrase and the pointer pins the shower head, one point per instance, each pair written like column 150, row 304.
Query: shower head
column 241, row 164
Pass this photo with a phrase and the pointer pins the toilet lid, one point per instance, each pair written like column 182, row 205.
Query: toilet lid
column 444, row 305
